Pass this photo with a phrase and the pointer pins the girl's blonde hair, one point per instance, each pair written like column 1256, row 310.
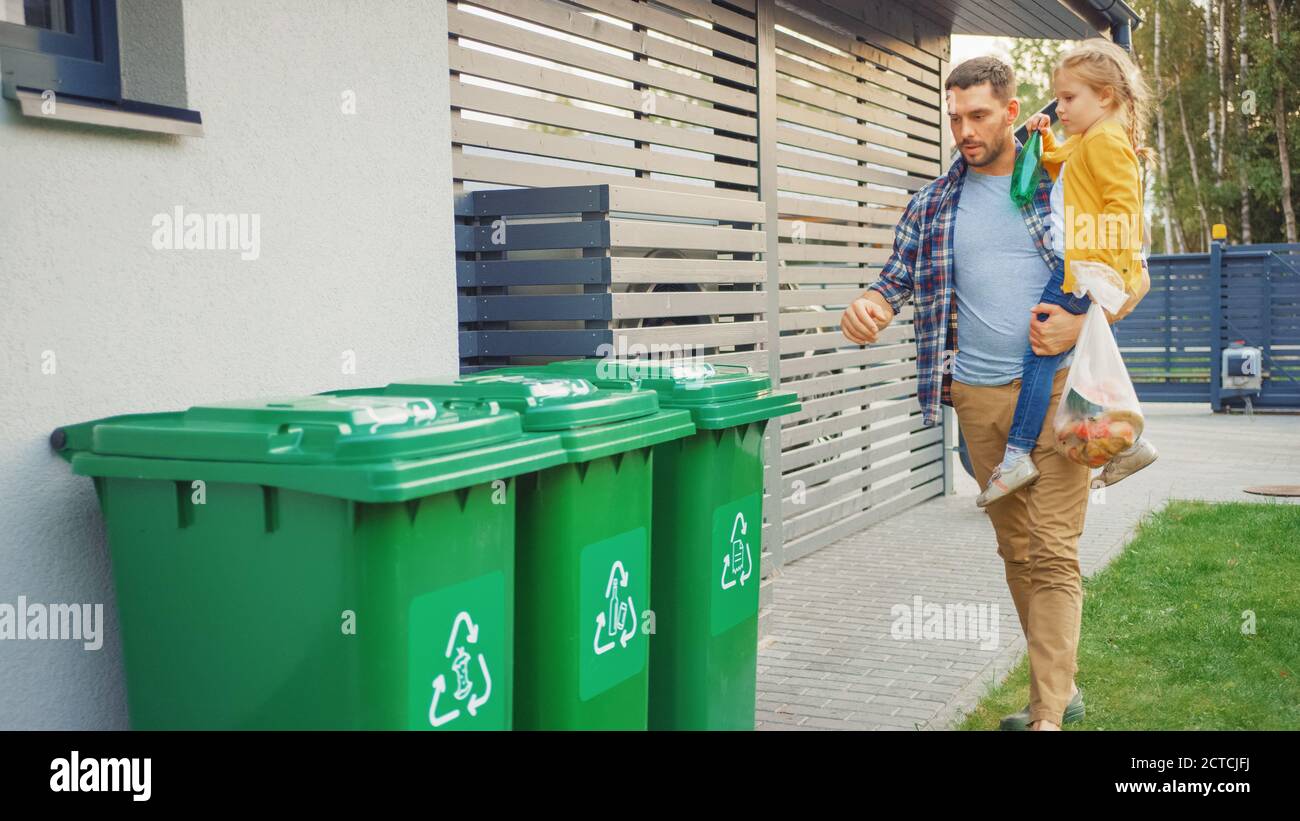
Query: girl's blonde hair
column 1101, row 65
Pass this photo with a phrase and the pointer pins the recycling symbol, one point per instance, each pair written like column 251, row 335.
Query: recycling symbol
column 461, row 666
column 612, row 624
column 738, row 562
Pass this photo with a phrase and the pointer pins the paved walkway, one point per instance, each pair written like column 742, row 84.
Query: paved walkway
column 830, row 662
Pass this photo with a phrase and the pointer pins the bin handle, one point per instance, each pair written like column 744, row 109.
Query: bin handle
column 733, row 367
column 466, row 403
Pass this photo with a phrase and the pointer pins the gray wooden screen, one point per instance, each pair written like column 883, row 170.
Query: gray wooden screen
column 824, row 114
column 858, row 132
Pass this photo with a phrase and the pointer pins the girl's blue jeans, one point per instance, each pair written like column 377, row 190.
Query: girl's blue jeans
column 1036, row 378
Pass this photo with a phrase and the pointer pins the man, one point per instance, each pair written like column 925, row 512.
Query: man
column 971, row 259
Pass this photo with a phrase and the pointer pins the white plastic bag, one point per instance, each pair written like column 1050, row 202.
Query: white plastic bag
column 1099, row 414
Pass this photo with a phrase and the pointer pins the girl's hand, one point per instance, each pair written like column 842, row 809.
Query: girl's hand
column 1039, row 122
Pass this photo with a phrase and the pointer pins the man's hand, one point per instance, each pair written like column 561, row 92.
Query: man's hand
column 1057, row 333
column 865, row 318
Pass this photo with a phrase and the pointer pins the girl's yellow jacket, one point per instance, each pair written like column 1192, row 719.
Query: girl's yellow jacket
column 1103, row 201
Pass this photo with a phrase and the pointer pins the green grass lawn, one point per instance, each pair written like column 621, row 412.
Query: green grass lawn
column 1162, row 644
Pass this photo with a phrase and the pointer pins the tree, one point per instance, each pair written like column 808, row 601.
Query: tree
column 1280, row 123
column 1034, row 61
column 1244, row 72
column 1237, row 172
column 1162, row 150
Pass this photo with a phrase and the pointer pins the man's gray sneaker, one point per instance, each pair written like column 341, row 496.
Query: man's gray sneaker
column 1020, row 721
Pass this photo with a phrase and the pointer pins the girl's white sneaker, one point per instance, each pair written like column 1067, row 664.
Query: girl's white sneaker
column 1126, row 463
column 1023, row 472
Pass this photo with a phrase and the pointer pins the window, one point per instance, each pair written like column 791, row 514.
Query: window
column 41, row 14
column 70, row 48
column 65, row 46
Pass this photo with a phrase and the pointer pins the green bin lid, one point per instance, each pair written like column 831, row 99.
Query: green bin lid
column 367, row 448
column 545, row 401
column 717, row 395
column 591, row 421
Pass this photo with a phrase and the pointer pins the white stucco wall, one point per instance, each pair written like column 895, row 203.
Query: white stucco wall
column 355, row 255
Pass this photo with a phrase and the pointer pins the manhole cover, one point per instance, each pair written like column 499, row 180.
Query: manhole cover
column 1275, row 490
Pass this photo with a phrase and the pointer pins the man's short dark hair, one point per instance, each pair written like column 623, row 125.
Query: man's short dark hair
column 977, row 70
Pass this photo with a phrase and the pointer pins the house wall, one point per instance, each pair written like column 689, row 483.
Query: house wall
column 353, row 264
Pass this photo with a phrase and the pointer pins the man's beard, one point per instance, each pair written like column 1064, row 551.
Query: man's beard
column 995, row 151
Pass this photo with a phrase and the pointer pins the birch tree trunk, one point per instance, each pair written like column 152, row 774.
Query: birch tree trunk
column 1210, row 110
column 1279, row 120
column 1191, row 164
column 1242, row 178
column 1162, row 157
column 1223, row 90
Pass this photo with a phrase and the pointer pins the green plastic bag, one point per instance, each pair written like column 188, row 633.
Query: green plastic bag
column 1024, row 177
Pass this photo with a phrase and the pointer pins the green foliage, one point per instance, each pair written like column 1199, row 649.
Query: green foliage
column 1034, row 60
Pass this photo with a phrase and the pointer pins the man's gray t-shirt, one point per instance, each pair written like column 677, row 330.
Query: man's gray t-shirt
column 999, row 275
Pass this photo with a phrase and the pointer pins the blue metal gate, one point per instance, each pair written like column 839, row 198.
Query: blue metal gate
column 1201, row 303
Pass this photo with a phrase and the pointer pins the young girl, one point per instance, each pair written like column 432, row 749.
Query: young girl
column 1096, row 207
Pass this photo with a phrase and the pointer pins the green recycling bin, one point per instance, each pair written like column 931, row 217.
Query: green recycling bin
column 314, row 562
column 583, row 605
column 708, row 518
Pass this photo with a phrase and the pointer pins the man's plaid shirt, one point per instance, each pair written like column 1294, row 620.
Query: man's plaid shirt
column 921, row 269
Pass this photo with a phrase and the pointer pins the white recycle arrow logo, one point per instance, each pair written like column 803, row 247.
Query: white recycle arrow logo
column 618, row 612
column 460, row 667
column 739, row 556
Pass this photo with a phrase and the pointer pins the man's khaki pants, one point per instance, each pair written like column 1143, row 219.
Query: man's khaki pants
column 1038, row 531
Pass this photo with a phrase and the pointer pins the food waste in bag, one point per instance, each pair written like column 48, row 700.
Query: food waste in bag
column 1099, row 414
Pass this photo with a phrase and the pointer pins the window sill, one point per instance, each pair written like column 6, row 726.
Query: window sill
column 126, row 114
